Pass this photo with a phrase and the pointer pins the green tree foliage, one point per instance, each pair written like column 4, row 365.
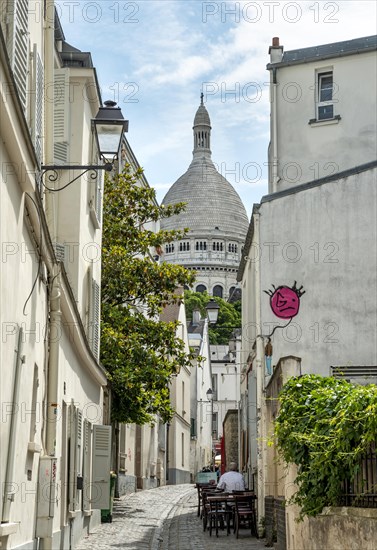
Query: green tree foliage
column 324, row 427
column 140, row 352
column 229, row 315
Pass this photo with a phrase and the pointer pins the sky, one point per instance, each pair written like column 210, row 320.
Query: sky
column 155, row 57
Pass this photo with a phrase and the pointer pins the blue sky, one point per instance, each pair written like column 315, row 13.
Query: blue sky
column 155, row 57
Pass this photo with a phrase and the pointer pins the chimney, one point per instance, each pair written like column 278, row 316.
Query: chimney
column 276, row 51
column 196, row 317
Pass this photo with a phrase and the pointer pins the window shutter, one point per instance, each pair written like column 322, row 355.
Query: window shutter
column 78, row 455
column 86, row 465
column 61, row 113
column 94, row 332
column 18, row 45
column 72, row 474
column 37, row 104
column 100, row 498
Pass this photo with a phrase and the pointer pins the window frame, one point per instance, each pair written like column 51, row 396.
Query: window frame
column 320, row 76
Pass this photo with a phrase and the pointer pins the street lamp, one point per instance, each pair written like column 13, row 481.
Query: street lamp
column 108, row 127
column 212, row 311
column 209, row 395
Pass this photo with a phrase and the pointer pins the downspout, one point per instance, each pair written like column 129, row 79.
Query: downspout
column 53, row 376
column 259, row 361
column 9, row 487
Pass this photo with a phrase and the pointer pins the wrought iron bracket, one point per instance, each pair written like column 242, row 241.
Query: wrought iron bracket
column 54, row 170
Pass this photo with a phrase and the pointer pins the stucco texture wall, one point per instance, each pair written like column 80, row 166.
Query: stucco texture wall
column 323, row 238
column 335, row 528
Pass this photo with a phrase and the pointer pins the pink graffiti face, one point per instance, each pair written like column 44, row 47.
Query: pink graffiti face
column 285, row 301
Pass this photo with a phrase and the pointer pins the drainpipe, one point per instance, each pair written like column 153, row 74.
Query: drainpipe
column 259, row 360
column 9, row 488
column 53, row 377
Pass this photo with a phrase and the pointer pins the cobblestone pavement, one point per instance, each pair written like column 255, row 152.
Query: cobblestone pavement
column 162, row 519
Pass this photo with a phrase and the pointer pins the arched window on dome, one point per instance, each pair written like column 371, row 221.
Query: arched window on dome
column 218, row 291
column 201, row 288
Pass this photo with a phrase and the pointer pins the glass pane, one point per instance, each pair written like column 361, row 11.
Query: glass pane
column 326, row 111
column 109, row 138
column 326, row 87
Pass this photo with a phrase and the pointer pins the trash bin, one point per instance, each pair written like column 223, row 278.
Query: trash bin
column 107, row 513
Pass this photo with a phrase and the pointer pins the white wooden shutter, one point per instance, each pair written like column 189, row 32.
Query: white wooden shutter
column 78, row 455
column 87, row 454
column 61, row 116
column 18, row 44
column 36, row 104
column 101, row 467
column 72, row 474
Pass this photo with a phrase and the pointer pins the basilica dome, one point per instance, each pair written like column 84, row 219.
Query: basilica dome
column 214, row 214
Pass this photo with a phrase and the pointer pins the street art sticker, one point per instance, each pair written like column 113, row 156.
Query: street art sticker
column 285, row 300
column 285, row 304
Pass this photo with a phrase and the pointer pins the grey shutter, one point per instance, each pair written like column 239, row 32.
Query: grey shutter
column 95, row 318
column 87, row 453
column 101, row 467
column 61, row 116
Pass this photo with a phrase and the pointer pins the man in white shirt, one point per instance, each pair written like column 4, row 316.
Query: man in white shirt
column 232, row 480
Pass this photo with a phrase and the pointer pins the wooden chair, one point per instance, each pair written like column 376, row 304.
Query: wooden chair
column 199, row 487
column 206, row 491
column 218, row 513
column 245, row 513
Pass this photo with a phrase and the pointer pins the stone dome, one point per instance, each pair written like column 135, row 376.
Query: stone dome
column 214, row 214
column 213, row 206
column 202, row 116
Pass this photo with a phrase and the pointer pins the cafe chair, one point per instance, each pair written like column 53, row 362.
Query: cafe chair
column 245, row 513
column 218, row 514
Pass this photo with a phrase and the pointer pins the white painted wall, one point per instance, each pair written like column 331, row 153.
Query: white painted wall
column 310, row 151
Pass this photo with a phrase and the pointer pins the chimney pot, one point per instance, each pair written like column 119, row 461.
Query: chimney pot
column 275, row 42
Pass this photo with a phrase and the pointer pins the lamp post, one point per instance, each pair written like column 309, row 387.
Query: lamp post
column 108, row 127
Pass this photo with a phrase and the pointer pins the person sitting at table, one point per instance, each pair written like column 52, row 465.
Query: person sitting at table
column 231, row 480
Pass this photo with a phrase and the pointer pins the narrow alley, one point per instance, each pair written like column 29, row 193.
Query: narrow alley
column 162, row 519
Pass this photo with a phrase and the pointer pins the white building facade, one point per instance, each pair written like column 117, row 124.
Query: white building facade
column 308, row 272
column 55, row 448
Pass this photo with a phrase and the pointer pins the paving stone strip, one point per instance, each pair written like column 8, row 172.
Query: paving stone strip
column 164, row 518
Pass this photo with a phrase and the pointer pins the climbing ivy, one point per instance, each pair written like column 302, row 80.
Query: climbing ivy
column 324, row 426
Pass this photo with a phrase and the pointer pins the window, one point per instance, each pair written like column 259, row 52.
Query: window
column 214, row 425
column 200, row 288
column 218, row 291
column 169, row 248
column 192, row 427
column 214, row 387
column 200, row 245
column 325, row 106
column 184, row 246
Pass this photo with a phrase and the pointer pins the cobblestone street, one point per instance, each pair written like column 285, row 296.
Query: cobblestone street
column 162, row 519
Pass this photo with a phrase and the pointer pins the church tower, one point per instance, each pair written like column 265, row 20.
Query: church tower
column 214, row 214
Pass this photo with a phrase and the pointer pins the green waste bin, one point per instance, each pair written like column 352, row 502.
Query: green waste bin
column 107, row 513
